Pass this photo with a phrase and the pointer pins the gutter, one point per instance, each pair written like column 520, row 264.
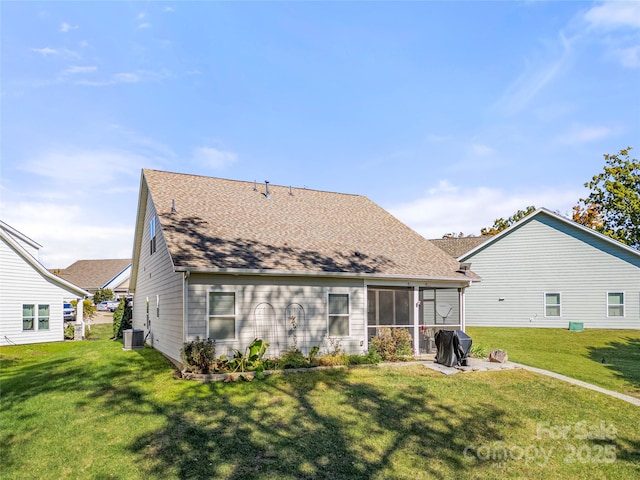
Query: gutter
column 297, row 273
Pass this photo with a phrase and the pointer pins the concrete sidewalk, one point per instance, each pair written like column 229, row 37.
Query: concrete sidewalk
column 621, row 396
column 482, row 364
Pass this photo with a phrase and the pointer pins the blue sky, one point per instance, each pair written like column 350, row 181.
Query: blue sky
column 447, row 114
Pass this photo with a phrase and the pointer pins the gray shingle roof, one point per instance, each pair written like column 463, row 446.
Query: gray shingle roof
column 227, row 224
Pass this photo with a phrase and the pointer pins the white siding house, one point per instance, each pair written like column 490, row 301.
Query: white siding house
column 547, row 271
column 31, row 298
column 229, row 261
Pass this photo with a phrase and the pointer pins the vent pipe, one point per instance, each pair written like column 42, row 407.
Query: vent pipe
column 173, row 205
column 267, row 194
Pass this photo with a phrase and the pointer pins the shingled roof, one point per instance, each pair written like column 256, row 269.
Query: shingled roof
column 221, row 225
column 93, row 274
column 456, row 247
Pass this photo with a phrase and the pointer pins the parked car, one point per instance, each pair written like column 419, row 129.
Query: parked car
column 68, row 312
column 112, row 305
column 102, row 306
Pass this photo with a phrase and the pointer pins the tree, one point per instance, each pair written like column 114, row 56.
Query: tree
column 613, row 205
column 102, row 295
column 501, row 224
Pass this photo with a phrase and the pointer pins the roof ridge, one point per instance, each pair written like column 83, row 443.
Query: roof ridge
column 250, row 182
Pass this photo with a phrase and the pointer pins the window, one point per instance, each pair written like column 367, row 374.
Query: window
column 222, row 315
column 28, row 317
column 157, row 306
column 615, row 304
column 552, row 305
column 339, row 314
column 152, row 236
column 43, row 317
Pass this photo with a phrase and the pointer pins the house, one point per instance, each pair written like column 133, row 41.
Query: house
column 31, row 297
column 548, row 271
column 233, row 261
column 93, row 275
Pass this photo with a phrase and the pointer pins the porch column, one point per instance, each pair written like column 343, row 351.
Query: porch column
column 416, row 320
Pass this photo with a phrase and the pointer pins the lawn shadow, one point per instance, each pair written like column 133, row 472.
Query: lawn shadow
column 623, row 358
column 284, row 427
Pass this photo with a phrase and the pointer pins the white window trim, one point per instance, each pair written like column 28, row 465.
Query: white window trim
column 348, row 315
column 36, row 317
column 235, row 314
column 624, row 302
column 545, row 304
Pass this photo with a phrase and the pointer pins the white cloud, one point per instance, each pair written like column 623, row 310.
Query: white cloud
column 138, row 76
column 95, row 166
column 582, row 134
column 628, row 57
column 448, row 208
column 482, row 150
column 45, row 51
column 614, row 14
column 63, row 52
column 167, row 9
column 71, row 231
column 213, row 158
column 535, row 78
column 66, row 27
column 76, row 69
column 144, row 25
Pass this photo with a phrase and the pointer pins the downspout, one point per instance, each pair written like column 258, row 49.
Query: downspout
column 185, row 297
column 463, row 322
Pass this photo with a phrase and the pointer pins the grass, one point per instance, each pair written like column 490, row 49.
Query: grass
column 607, row 358
column 91, row 410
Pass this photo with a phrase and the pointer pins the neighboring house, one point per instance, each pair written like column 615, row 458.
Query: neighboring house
column 547, row 271
column 93, row 275
column 233, row 261
column 31, row 297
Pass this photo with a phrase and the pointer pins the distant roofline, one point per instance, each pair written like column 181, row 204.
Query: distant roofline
column 567, row 221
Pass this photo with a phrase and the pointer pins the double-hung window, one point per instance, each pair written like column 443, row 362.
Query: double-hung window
column 43, row 317
column 552, row 305
column 615, row 304
column 222, row 315
column 339, row 314
column 28, row 317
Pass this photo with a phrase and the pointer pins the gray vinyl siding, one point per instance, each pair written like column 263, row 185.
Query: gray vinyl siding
column 546, row 255
column 21, row 284
column 274, row 294
column 156, row 277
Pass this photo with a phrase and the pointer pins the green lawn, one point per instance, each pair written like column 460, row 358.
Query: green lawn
column 607, row 358
column 91, row 410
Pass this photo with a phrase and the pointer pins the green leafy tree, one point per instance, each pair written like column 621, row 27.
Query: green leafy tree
column 501, row 224
column 102, row 295
column 613, row 204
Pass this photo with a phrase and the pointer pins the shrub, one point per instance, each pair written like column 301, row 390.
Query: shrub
column 391, row 343
column 333, row 360
column 293, row 359
column 69, row 332
column 121, row 318
column 198, row 355
column 478, row 351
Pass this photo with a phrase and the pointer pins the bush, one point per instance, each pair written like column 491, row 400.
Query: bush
column 69, row 332
column 478, row 351
column 198, row 355
column 293, row 359
column 392, row 343
column 122, row 318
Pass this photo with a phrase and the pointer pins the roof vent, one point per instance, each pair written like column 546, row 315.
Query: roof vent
column 173, row 205
column 464, row 267
column 290, row 191
column 267, row 194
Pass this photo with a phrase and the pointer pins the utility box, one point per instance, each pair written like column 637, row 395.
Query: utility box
column 132, row 338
